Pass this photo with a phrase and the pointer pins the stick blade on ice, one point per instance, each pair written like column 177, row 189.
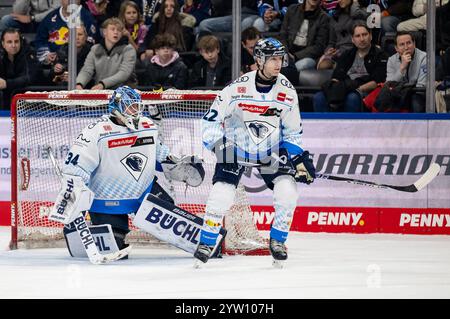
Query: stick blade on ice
column 429, row 175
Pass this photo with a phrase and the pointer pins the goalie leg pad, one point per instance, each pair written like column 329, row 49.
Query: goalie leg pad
column 284, row 201
column 118, row 222
column 171, row 224
column 74, row 197
column 103, row 237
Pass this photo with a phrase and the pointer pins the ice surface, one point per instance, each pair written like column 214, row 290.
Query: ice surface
column 319, row 266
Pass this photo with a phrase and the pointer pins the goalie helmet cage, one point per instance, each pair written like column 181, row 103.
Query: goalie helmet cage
column 56, row 119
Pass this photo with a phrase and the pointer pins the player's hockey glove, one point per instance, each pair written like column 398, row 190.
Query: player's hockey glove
column 303, row 164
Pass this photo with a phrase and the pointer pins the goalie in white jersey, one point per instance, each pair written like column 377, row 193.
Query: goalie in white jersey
column 256, row 121
column 111, row 167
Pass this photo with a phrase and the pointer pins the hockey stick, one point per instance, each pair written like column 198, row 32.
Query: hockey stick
column 423, row 181
column 84, row 232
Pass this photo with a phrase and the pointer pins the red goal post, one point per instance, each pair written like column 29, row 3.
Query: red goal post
column 56, row 118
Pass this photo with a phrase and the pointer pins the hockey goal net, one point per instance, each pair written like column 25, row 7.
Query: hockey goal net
column 55, row 119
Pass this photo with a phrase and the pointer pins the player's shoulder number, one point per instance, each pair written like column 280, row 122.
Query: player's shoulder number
column 211, row 115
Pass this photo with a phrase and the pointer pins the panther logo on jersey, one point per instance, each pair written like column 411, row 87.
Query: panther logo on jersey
column 135, row 164
column 259, row 130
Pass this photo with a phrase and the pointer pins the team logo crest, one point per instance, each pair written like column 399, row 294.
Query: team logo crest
column 259, row 130
column 135, row 164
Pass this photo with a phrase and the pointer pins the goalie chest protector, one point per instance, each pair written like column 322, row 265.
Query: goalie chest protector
column 119, row 163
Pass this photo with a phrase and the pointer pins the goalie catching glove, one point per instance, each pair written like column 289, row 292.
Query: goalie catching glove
column 187, row 169
column 305, row 170
column 73, row 198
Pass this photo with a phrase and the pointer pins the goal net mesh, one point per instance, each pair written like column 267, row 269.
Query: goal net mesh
column 57, row 118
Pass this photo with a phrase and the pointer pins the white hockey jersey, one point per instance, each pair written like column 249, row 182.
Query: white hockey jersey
column 117, row 164
column 256, row 122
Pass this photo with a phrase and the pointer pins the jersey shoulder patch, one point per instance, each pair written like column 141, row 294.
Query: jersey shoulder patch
column 284, row 82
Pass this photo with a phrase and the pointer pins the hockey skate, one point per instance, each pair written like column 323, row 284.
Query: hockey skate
column 202, row 253
column 279, row 253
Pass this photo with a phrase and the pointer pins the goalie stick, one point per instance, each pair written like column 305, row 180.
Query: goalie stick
column 92, row 252
column 423, row 181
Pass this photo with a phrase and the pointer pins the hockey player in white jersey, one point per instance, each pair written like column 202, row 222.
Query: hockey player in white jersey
column 254, row 119
column 111, row 167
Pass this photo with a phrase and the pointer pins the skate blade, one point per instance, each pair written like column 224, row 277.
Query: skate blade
column 279, row 264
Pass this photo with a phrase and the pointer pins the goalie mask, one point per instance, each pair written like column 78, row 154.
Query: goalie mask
column 266, row 48
column 128, row 103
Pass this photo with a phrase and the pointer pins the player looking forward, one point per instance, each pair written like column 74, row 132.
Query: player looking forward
column 256, row 121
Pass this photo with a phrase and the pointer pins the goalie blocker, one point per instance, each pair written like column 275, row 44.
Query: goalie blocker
column 172, row 224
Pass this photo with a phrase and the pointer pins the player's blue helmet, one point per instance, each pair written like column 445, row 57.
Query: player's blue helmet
column 127, row 101
column 266, row 48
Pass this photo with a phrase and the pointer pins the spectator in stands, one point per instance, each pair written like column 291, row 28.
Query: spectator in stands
column 409, row 65
column 59, row 72
column 215, row 68
column 27, row 14
column 305, row 30
column 443, row 42
column 166, row 69
column 396, row 12
column 135, row 29
column 271, row 13
column 148, row 8
column 169, row 20
column 340, row 38
column 443, row 28
column 222, row 19
column 111, row 62
column 199, row 9
column 98, row 10
column 53, row 32
column 356, row 74
column 419, row 10
column 17, row 65
column 249, row 37
column 392, row 13
column 329, row 6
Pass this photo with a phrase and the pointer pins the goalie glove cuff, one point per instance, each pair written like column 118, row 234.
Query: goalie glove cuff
column 305, row 170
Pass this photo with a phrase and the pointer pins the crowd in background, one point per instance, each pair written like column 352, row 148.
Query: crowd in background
column 361, row 58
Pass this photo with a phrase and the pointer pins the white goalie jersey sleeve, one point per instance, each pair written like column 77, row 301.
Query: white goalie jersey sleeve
column 117, row 164
column 256, row 122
